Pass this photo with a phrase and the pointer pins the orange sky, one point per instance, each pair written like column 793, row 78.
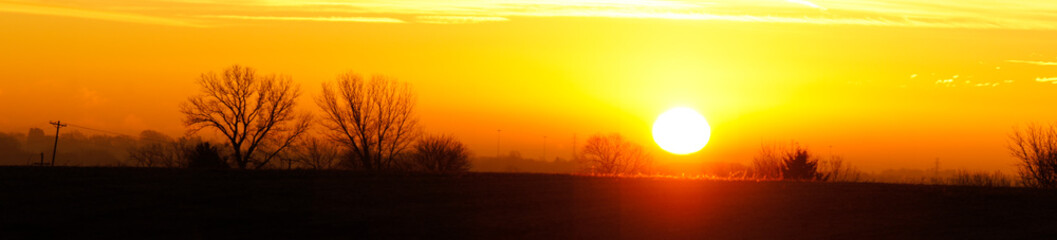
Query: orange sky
column 886, row 84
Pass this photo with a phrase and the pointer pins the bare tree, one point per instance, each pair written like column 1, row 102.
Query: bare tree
column 440, row 153
column 1036, row 148
column 254, row 113
column 767, row 164
column 835, row 169
column 373, row 119
column 611, row 154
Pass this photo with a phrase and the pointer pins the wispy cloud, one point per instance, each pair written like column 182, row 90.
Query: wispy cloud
column 977, row 14
column 806, row 3
column 459, row 19
column 1041, row 63
column 1028, row 14
column 1047, row 79
column 41, row 9
column 317, row 19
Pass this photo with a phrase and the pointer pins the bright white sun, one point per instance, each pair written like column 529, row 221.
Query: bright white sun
column 681, row 131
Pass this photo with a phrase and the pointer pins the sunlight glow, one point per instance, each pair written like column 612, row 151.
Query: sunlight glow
column 681, row 131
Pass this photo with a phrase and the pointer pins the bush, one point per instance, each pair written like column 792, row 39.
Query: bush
column 798, row 164
column 205, row 156
column 440, row 153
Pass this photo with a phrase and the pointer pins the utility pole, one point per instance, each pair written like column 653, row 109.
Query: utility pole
column 574, row 147
column 55, row 148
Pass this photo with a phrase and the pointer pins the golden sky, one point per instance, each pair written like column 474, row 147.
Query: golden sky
column 886, row 84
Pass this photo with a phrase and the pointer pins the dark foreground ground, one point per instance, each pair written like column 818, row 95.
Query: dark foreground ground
column 171, row 203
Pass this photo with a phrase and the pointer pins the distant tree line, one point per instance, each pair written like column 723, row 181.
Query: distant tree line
column 89, row 150
column 369, row 124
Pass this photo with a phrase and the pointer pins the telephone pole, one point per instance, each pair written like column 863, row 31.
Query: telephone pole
column 55, row 148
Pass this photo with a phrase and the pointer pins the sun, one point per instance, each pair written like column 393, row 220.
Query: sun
column 681, row 131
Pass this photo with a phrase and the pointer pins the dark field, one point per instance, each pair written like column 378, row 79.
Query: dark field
column 172, row 203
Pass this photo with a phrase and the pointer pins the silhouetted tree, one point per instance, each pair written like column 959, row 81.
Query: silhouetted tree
column 440, row 153
column 373, row 119
column 611, row 154
column 1036, row 148
column 798, row 164
column 254, row 113
column 206, row 156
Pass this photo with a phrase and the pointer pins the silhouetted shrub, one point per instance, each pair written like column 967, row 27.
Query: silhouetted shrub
column 206, row 156
column 440, row 153
column 798, row 164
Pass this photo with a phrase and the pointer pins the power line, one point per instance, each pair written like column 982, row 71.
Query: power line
column 99, row 130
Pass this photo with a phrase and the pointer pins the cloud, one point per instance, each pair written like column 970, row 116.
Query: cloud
column 458, row 19
column 1040, row 63
column 974, row 14
column 1028, row 14
column 806, row 3
column 316, row 19
column 1047, row 79
column 40, row 9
